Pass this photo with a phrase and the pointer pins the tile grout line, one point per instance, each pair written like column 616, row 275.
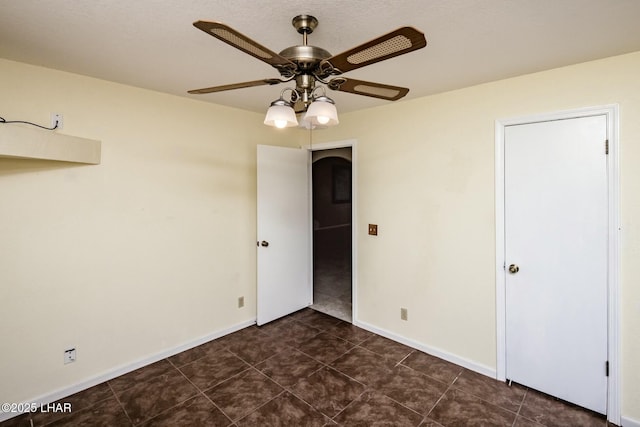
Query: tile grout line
column 294, row 394
column 384, row 394
column 221, row 349
column 367, row 389
column 174, row 406
column 203, row 394
column 287, row 347
column 290, row 389
column 329, row 331
column 425, row 374
column 524, row 396
column 260, row 406
column 46, row 423
column 115, row 395
column 333, row 360
column 203, row 391
column 371, row 388
column 225, row 380
column 483, row 399
column 443, row 394
column 401, row 404
column 405, row 358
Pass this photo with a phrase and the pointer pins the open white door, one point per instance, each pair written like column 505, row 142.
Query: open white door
column 284, row 232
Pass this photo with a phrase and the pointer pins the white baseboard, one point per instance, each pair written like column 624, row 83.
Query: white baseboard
column 628, row 422
column 449, row 357
column 124, row 369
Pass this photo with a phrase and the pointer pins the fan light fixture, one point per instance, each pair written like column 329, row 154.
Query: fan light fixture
column 281, row 115
column 321, row 110
column 306, row 65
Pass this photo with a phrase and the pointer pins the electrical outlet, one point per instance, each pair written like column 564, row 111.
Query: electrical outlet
column 240, row 302
column 404, row 314
column 373, row 229
column 69, row 356
column 56, row 118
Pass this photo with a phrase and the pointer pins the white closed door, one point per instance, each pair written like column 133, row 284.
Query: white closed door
column 284, row 232
column 556, row 240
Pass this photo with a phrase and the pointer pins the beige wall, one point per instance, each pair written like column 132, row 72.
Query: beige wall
column 426, row 177
column 151, row 249
column 140, row 254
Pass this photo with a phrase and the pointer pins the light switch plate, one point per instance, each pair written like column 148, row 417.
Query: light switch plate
column 373, row 229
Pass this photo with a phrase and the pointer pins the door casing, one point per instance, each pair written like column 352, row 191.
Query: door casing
column 613, row 327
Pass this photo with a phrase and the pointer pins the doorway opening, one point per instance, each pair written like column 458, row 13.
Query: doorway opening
column 332, row 232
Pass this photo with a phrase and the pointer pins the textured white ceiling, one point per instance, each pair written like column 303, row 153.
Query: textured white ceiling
column 153, row 44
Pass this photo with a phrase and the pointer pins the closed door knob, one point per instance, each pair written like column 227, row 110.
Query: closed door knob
column 513, row 269
column 264, row 243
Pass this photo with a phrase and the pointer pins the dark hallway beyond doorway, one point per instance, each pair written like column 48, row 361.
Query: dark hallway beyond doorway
column 332, row 249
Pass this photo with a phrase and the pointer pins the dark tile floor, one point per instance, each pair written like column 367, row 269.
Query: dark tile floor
column 308, row 369
column 332, row 293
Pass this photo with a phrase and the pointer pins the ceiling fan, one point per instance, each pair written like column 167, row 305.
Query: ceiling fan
column 308, row 64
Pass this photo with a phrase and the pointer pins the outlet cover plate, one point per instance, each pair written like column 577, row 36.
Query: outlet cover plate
column 56, row 118
column 69, row 356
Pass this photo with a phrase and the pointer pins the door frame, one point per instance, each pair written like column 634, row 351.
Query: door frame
column 348, row 143
column 613, row 164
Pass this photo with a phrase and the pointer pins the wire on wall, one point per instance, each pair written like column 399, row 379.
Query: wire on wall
column 3, row 121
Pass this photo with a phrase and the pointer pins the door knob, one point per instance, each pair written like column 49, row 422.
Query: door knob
column 513, row 269
column 264, row 243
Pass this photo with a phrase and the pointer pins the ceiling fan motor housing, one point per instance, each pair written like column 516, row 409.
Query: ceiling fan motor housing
column 306, row 57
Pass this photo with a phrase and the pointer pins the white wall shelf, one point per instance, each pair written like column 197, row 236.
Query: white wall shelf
column 25, row 143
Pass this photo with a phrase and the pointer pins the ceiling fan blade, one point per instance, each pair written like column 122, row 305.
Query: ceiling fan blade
column 244, row 43
column 236, row 86
column 398, row 42
column 375, row 90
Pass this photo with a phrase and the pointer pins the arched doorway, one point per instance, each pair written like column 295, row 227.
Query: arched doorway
column 332, row 233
